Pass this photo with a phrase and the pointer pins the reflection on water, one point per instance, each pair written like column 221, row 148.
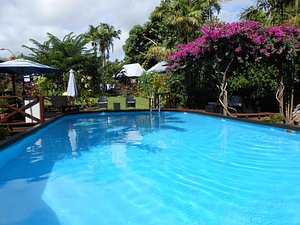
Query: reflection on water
column 133, row 136
column 118, row 155
column 73, row 141
column 136, row 168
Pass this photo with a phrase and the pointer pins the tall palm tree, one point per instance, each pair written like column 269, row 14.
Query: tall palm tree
column 176, row 21
column 186, row 15
column 295, row 12
column 275, row 11
column 102, row 38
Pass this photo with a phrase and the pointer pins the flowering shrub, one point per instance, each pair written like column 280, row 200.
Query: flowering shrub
column 225, row 46
column 243, row 39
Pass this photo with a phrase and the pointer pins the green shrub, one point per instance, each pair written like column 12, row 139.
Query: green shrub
column 4, row 133
column 276, row 118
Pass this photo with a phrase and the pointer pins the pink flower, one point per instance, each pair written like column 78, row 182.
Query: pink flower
column 238, row 49
column 258, row 59
column 250, row 37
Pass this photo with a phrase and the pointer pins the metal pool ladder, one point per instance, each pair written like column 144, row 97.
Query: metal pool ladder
column 152, row 105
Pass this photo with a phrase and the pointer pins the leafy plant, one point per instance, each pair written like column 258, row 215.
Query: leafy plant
column 276, row 118
column 4, row 133
column 228, row 47
column 150, row 83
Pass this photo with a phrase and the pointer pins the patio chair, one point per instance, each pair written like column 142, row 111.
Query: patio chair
column 130, row 101
column 102, row 102
column 61, row 103
column 236, row 103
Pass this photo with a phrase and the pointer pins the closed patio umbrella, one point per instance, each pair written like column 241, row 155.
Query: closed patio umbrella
column 72, row 88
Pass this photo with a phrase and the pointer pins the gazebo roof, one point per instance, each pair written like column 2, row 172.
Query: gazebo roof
column 131, row 70
column 159, row 67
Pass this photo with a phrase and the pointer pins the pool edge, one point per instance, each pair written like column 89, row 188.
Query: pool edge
column 260, row 122
column 17, row 137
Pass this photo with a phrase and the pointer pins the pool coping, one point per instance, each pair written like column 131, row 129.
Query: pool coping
column 17, row 137
column 260, row 122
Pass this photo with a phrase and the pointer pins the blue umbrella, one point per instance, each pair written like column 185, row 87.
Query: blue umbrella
column 72, row 88
column 25, row 67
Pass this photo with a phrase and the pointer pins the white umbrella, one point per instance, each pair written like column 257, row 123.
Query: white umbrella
column 72, row 88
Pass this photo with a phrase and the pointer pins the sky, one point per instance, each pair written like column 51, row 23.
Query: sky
column 21, row 20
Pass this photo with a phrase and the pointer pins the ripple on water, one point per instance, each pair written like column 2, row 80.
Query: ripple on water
column 172, row 168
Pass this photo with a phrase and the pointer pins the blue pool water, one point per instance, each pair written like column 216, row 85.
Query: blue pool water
column 136, row 168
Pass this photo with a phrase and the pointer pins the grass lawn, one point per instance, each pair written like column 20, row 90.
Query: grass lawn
column 141, row 103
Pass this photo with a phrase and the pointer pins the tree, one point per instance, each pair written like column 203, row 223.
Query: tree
column 172, row 22
column 65, row 54
column 102, row 38
column 282, row 49
column 220, row 47
column 273, row 12
column 185, row 16
column 226, row 47
column 135, row 47
column 151, row 83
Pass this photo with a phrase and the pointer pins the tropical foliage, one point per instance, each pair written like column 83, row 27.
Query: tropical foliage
column 151, row 83
column 101, row 38
column 71, row 53
column 172, row 22
column 273, row 12
column 65, row 54
column 225, row 49
column 255, row 59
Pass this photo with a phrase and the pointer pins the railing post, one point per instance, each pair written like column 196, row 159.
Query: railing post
column 41, row 101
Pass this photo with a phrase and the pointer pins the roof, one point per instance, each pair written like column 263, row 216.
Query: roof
column 131, row 70
column 159, row 67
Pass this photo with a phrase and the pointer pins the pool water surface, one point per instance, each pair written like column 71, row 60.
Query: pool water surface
column 161, row 168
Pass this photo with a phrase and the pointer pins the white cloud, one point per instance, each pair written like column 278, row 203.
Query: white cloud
column 23, row 20
column 31, row 19
column 230, row 10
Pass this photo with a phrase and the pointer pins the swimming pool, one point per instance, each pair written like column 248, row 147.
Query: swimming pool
column 140, row 168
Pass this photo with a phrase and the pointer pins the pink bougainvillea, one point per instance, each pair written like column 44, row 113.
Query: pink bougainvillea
column 240, row 39
column 223, row 45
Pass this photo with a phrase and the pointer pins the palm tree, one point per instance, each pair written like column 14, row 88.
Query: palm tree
column 275, row 12
column 64, row 54
column 102, row 38
column 185, row 16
